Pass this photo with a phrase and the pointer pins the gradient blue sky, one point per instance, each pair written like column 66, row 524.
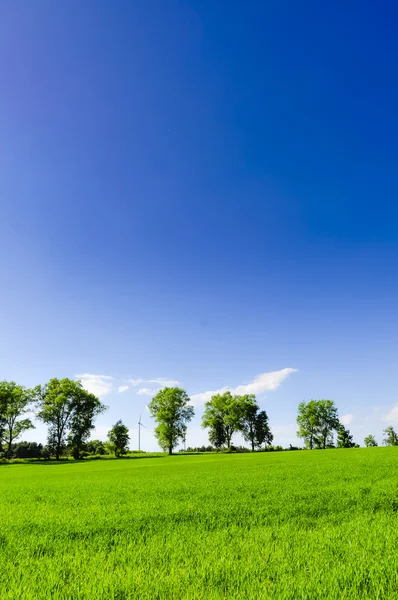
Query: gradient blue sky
column 203, row 192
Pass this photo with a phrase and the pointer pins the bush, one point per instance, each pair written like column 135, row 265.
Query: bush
column 27, row 450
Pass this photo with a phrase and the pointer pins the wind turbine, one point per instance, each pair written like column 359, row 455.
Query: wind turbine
column 139, row 435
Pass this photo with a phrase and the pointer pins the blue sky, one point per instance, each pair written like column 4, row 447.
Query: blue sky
column 202, row 192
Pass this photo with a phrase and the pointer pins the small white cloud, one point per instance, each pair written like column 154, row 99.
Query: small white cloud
column 147, row 392
column 260, row 384
column 392, row 416
column 158, row 381
column 122, row 388
column 346, row 419
column 99, row 385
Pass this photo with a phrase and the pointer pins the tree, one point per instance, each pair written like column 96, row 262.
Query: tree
column 223, row 414
column 171, row 410
column 317, row 420
column 27, row 450
column 370, row 441
column 263, row 434
column 15, row 401
column 217, row 433
column 344, row 438
column 391, row 437
column 307, row 420
column 328, row 420
column 96, row 447
column 253, row 424
column 69, row 410
column 119, row 438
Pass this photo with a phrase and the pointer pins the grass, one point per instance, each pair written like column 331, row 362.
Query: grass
column 297, row 525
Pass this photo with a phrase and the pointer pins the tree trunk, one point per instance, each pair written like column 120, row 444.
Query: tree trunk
column 170, row 450
column 9, row 451
column 252, row 444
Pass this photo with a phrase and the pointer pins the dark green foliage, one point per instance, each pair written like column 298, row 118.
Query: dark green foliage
column 344, row 438
column 254, row 423
column 226, row 414
column 171, row 410
column 200, row 449
column 317, row 421
column 217, row 435
column 119, row 439
column 391, row 437
column 223, row 417
column 95, row 447
column 69, row 411
column 27, row 450
column 15, row 401
column 370, row 441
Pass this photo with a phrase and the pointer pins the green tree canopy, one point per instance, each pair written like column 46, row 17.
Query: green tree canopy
column 253, row 423
column 69, row 411
column 308, row 423
column 263, row 434
column 171, row 410
column 317, row 421
column 119, row 438
column 370, row 441
column 223, row 417
column 15, row 401
column 390, row 437
column 344, row 438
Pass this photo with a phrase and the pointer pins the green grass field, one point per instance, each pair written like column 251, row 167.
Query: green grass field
column 319, row 525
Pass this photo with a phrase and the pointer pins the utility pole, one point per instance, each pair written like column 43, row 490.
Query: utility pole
column 139, row 435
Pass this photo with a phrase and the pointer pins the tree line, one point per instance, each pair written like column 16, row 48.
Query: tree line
column 69, row 411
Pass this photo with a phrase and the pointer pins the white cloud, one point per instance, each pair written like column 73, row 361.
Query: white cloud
column 346, row 419
column 260, row 384
column 147, row 392
column 122, row 388
column 392, row 416
column 158, row 380
column 99, row 385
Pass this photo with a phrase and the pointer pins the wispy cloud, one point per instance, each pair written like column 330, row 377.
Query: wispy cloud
column 99, row 385
column 260, row 384
column 122, row 388
column 148, row 391
column 158, row 381
column 346, row 419
column 392, row 416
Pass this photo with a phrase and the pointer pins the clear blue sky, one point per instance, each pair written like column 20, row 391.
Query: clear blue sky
column 204, row 192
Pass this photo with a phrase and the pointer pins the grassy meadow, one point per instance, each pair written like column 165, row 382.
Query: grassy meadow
column 313, row 525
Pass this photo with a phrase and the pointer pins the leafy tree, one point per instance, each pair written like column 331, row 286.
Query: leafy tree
column 119, row 438
column 96, row 447
column 328, row 420
column 370, row 440
column 391, row 437
column 344, row 438
column 317, row 420
column 69, row 411
column 254, row 424
column 262, row 432
column 308, row 422
column 217, row 433
column 223, row 417
column 27, row 450
column 15, row 402
column 248, row 418
column 171, row 410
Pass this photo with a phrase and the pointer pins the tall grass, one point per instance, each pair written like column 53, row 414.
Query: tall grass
column 310, row 525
